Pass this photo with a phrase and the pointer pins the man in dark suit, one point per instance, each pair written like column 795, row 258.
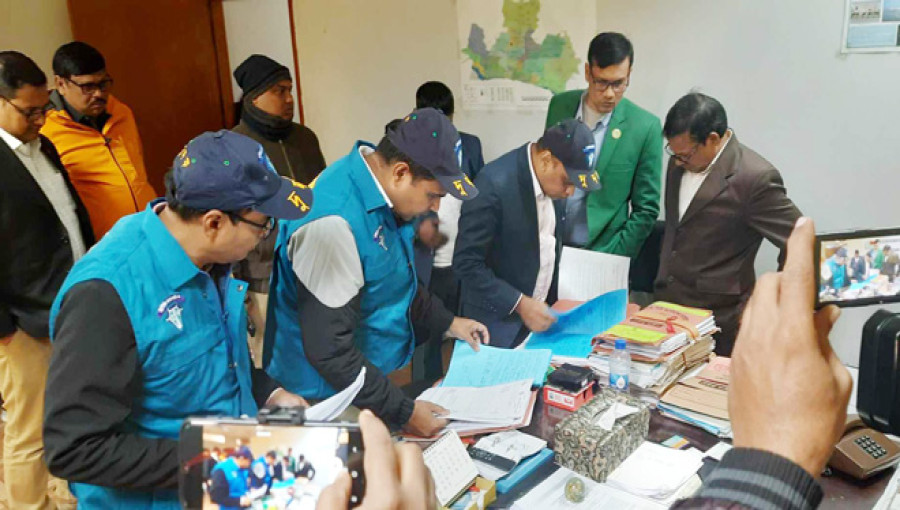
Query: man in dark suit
column 507, row 250
column 722, row 198
column 44, row 228
column 436, row 235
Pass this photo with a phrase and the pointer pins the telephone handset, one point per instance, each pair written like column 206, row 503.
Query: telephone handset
column 862, row 451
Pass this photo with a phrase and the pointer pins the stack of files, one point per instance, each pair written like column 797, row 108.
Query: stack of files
column 656, row 472
column 702, row 400
column 659, row 329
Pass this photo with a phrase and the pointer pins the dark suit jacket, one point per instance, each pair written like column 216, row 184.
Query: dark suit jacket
column 35, row 256
column 708, row 257
column 473, row 160
column 497, row 254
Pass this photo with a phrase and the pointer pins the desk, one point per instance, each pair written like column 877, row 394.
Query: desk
column 840, row 491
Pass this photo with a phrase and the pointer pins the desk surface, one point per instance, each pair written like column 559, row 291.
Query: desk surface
column 840, row 491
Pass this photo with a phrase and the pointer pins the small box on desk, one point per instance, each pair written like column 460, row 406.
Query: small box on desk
column 586, row 448
column 482, row 493
column 566, row 399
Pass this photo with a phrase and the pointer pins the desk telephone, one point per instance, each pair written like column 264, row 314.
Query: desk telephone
column 862, row 451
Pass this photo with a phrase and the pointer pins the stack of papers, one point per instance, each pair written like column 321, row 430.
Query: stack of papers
column 702, row 400
column 655, row 471
column 660, row 329
column 500, row 405
column 551, row 493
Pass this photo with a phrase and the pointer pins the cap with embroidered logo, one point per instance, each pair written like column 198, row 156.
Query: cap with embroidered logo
column 231, row 172
column 572, row 143
column 428, row 137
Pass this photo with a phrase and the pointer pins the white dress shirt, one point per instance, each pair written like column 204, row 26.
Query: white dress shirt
column 51, row 182
column 691, row 181
column 546, row 236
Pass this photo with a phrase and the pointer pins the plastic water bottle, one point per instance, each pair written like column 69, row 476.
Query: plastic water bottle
column 619, row 366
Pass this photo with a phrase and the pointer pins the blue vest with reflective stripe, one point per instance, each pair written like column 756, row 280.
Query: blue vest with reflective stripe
column 191, row 344
column 384, row 333
column 236, row 477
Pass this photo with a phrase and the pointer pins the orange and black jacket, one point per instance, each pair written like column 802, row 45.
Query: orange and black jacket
column 105, row 166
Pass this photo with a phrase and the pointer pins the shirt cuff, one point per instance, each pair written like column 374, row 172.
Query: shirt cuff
column 762, row 480
column 516, row 305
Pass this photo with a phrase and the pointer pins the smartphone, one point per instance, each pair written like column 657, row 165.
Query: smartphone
column 858, row 268
column 273, row 466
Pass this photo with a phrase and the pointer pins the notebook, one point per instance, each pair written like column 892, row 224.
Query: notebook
column 451, row 467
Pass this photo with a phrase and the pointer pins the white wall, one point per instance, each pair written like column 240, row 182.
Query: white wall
column 258, row 26
column 827, row 121
column 36, row 28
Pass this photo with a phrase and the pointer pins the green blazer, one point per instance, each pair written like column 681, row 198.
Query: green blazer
column 630, row 169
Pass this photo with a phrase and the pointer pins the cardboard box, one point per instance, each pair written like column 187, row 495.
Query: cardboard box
column 584, row 447
column 568, row 400
column 470, row 500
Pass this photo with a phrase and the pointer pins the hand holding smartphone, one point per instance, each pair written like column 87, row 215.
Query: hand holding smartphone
column 858, row 268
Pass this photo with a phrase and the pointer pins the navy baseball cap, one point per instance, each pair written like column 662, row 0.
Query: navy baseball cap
column 572, row 143
column 244, row 451
column 428, row 137
column 231, row 172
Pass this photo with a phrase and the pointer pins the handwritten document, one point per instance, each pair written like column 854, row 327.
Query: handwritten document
column 491, row 366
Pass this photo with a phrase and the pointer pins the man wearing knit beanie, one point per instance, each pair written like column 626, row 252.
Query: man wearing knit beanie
column 267, row 112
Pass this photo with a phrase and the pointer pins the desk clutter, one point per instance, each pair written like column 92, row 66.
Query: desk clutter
column 599, row 438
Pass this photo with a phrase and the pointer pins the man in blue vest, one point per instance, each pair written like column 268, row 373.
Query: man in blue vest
column 149, row 327
column 344, row 292
column 229, row 485
column 262, row 472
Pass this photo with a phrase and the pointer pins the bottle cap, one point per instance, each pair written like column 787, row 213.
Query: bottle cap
column 620, row 343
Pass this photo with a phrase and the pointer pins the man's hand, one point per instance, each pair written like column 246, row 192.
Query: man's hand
column 396, row 476
column 535, row 314
column 283, row 398
column 246, row 501
column 426, row 419
column 473, row 332
column 788, row 393
column 429, row 234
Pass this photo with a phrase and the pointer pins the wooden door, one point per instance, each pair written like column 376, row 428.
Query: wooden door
column 169, row 61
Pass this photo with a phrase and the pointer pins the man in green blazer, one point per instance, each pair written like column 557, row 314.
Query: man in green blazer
column 618, row 217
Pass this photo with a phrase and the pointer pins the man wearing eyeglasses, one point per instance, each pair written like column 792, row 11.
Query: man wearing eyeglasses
column 618, row 217
column 44, row 228
column 150, row 328
column 722, row 199
column 97, row 137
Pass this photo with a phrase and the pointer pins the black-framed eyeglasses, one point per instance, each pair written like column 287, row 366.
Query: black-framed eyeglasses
column 93, row 86
column 683, row 158
column 617, row 86
column 30, row 114
column 265, row 228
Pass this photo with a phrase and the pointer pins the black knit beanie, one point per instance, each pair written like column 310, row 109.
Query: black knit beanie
column 259, row 72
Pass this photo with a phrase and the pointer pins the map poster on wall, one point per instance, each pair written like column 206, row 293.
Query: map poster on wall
column 871, row 26
column 515, row 54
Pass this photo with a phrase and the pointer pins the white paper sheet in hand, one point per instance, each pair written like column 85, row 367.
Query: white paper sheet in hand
column 333, row 406
column 585, row 274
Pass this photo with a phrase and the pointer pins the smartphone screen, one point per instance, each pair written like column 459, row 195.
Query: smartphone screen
column 858, row 268
column 241, row 464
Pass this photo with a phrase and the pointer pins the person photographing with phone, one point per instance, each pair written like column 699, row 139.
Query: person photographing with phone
column 149, row 327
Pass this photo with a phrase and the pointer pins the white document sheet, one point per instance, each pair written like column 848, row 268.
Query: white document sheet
column 585, row 274
column 551, row 494
column 501, row 404
column 656, row 471
column 333, row 406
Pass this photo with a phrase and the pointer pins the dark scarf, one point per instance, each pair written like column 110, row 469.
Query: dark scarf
column 271, row 127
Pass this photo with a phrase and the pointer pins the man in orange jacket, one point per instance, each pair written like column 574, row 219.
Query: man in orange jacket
column 97, row 137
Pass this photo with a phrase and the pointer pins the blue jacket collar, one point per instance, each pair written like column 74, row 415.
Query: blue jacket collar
column 364, row 180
